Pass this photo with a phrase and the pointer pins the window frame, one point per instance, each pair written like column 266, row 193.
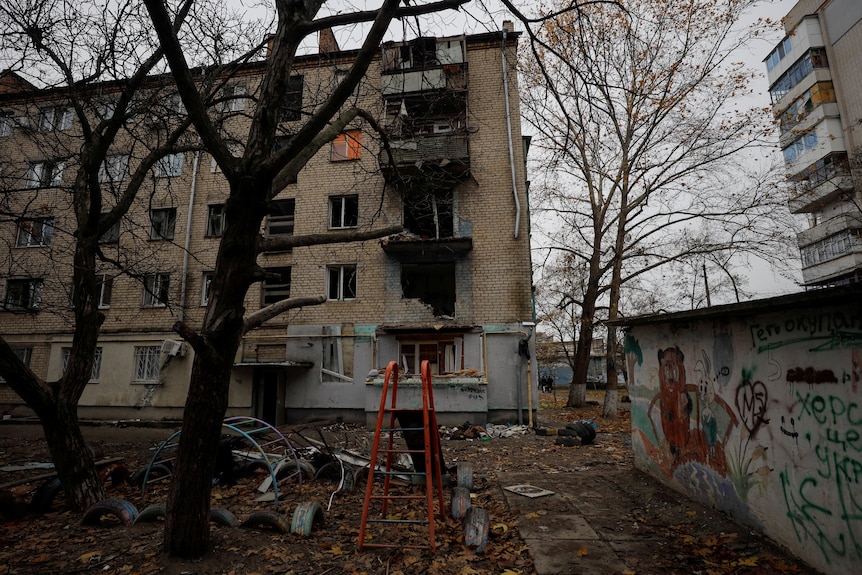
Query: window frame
column 32, row 287
column 170, row 165
column 148, row 357
column 41, row 238
column 278, row 219
column 341, row 277
column 215, row 221
column 235, row 98
column 24, row 353
column 57, row 118
column 447, row 358
column 114, row 168
column 171, row 221
column 44, row 174
column 105, row 285
column 346, row 146
column 7, row 122
column 156, row 292
column 95, row 372
column 291, row 106
column 112, row 235
column 272, row 290
column 206, row 284
column 339, row 214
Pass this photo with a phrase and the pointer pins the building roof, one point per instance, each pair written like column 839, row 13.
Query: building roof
column 849, row 295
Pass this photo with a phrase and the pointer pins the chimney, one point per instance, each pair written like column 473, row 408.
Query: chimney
column 508, row 26
column 326, row 42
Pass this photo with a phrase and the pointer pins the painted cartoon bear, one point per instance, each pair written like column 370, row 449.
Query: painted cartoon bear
column 676, row 405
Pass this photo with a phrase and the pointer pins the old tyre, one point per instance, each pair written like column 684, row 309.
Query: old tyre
column 267, row 519
column 151, row 513
column 119, row 508
column 224, row 517
column 306, row 515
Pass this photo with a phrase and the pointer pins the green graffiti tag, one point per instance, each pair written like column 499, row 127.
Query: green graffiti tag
column 823, row 501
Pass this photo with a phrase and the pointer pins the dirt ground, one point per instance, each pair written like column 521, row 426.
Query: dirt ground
column 694, row 540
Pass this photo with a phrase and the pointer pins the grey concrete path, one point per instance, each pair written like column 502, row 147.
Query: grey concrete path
column 606, row 520
column 574, row 530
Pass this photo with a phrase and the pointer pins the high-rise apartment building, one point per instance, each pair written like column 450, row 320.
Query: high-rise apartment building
column 815, row 78
column 454, row 288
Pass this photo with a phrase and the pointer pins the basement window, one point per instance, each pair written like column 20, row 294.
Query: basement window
column 432, row 284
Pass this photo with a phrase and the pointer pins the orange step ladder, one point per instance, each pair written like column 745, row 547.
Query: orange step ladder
column 409, row 429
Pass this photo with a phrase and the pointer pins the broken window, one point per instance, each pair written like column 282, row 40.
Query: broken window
column 431, row 283
column 292, row 104
column 430, row 214
column 280, row 217
column 163, row 221
column 341, row 282
column 336, row 366
column 343, row 211
column 156, row 290
column 276, row 286
column 23, row 294
column 442, row 353
column 105, row 285
column 346, row 146
column 215, row 220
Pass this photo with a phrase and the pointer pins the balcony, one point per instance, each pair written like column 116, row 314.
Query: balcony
column 829, row 227
column 823, row 183
column 447, row 77
column 411, row 247
column 834, row 271
column 445, row 154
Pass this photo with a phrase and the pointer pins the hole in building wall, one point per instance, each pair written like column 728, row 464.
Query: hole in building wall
column 430, row 214
column 433, row 284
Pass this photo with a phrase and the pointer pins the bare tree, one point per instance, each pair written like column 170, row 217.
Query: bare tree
column 639, row 119
column 254, row 177
column 78, row 104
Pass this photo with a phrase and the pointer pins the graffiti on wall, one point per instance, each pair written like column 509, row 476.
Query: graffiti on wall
column 691, row 421
column 816, row 498
column 774, row 411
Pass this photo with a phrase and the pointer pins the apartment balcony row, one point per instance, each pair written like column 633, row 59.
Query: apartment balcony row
column 451, row 77
column 835, row 256
column 835, row 271
column 443, row 154
column 823, row 183
column 850, row 220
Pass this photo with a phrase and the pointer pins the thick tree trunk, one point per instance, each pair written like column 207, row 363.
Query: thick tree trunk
column 187, row 520
column 73, row 462
column 187, row 532
column 581, row 365
column 580, row 368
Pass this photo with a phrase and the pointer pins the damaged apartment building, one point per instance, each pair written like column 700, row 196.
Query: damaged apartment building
column 453, row 288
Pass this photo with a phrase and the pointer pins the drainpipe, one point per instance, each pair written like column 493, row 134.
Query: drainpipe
column 184, row 280
column 506, row 25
